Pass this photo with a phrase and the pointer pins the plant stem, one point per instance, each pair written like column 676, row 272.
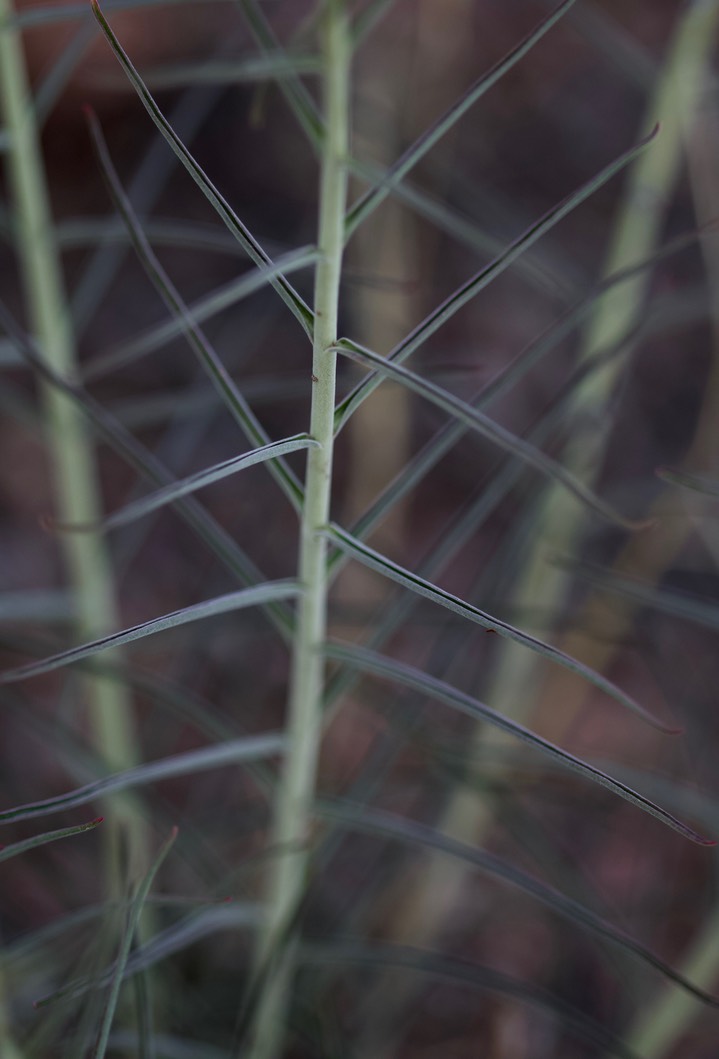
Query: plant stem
column 293, row 808
column 75, row 474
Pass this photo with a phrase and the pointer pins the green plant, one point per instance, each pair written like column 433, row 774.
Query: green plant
column 358, row 628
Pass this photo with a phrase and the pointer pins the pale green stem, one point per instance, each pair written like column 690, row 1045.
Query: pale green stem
column 73, row 462
column 670, row 1012
column 559, row 522
column 669, row 1016
column 293, row 808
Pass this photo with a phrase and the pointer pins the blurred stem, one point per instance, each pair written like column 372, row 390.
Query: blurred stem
column 636, row 235
column 75, row 474
column 559, row 522
column 664, row 1021
column 293, row 807
column 659, row 1027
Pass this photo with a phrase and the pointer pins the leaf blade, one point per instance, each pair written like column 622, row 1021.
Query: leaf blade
column 271, row 591
column 418, row 680
column 289, row 295
column 383, row 565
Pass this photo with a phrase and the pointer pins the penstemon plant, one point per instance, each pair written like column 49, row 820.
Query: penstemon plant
column 331, row 941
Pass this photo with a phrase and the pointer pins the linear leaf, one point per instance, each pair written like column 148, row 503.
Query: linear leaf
column 253, row 249
column 378, row 822
column 245, row 597
column 296, row 95
column 680, row 604
column 137, row 456
column 219, row 755
column 420, row 464
column 203, row 309
column 481, row 279
column 375, row 561
column 408, row 676
column 458, row 971
column 372, row 199
column 219, row 376
column 16, row 848
column 488, row 428
column 698, row 483
column 170, row 493
column 368, row 18
column 269, row 67
column 235, row 915
column 132, row 923
column 462, row 228
column 48, row 14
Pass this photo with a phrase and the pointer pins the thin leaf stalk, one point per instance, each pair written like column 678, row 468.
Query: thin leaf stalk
column 295, row 796
column 76, row 483
column 559, row 521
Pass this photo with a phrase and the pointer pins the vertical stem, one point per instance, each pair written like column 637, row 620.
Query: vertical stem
column 293, row 809
column 75, row 474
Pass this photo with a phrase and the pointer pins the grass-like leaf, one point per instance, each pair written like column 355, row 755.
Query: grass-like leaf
column 269, row 67
column 417, row 679
column 698, row 483
column 170, row 493
column 488, row 428
column 216, row 538
column 216, row 370
column 378, row 822
column 16, row 848
column 416, row 468
column 246, row 597
column 253, row 249
column 372, row 199
column 485, row 275
column 296, row 95
column 679, row 604
column 375, row 561
column 132, row 923
column 212, row 304
column 461, row 972
column 234, row 915
column 230, row 752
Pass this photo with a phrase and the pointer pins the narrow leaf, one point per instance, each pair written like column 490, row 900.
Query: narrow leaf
column 246, row 597
column 698, row 483
column 679, row 604
column 485, row 275
column 375, row 561
column 378, row 822
column 408, row 676
column 458, row 971
column 122, row 441
column 372, row 199
column 219, row 376
column 296, row 95
column 14, row 850
column 253, row 249
column 170, row 493
column 188, row 931
column 488, row 428
column 207, row 307
column 268, row 67
column 131, row 925
column 219, row 755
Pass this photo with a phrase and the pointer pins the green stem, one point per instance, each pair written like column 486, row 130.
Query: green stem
column 75, row 474
column 293, row 809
